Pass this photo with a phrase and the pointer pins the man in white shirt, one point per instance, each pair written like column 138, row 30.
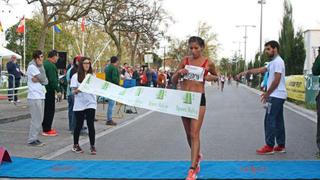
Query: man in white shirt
column 36, row 95
column 274, row 98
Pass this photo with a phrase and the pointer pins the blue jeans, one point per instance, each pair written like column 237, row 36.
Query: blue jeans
column 71, row 114
column 274, row 122
column 110, row 109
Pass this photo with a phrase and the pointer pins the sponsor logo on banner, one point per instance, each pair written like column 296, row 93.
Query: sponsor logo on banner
column 105, row 86
column 187, row 99
column 138, row 91
column 161, row 94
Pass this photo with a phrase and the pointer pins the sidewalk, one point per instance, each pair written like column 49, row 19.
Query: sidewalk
column 14, row 132
column 18, row 111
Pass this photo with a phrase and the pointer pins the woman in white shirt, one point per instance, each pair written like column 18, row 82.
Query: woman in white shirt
column 85, row 106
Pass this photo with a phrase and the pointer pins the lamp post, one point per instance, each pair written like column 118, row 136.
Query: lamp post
column 261, row 2
column 245, row 38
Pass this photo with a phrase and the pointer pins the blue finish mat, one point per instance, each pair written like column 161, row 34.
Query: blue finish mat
column 35, row 168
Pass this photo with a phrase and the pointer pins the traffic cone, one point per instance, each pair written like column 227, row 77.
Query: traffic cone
column 4, row 155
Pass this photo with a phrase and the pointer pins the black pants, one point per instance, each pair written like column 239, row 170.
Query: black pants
column 49, row 109
column 12, row 94
column 318, row 120
column 89, row 115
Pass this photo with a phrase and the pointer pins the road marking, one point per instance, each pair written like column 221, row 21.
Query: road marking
column 313, row 119
column 86, row 140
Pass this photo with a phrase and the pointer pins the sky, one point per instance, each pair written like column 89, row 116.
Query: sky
column 222, row 15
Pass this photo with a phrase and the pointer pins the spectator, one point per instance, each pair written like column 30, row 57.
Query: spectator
column 154, row 78
column 15, row 74
column 36, row 95
column 52, row 87
column 136, row 75
column 162, row 79
column 70, row 73
column 316, row 72
column 112, row 76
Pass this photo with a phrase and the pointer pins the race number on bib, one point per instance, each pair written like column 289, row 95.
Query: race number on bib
column 195, row 73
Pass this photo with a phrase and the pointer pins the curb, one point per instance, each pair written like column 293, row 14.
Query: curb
column 25, row 116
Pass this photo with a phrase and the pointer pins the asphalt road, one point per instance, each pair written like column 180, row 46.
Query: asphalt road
column 232, row 130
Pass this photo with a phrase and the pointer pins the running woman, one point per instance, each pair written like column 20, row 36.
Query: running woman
column 192, row 126
column 84, row 107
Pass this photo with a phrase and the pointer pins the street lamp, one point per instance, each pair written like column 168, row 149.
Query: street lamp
column 245, row 38
column 261, row 2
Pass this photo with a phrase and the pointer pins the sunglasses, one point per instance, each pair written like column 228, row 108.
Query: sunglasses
column 86, row 63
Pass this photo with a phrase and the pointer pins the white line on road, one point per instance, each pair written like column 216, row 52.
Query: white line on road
column 86, row 140
column 305, row 115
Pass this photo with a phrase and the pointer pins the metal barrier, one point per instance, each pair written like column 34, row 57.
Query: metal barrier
column 5, row 78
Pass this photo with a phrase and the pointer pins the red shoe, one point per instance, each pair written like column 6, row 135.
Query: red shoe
column 280, row 149
column 192, row 175
column 50, row 133
column 54, row 130
column 265, row 150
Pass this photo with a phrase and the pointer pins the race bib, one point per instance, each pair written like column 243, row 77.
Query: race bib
column 195, row 73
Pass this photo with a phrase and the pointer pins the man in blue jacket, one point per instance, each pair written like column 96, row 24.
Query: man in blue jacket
column 15, row 74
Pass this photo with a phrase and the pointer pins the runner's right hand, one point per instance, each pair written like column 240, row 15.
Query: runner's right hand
column 182, row 72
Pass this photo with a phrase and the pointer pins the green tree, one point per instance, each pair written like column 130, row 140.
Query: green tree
column 298, row 54
column 291, row 45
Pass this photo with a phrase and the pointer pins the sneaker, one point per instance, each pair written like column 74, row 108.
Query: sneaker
column 54, row 131
column 265, row 150
column 200, row 156
column 76, row 148
column 192, row 175
column 50, row 133
column 17, row 101
column 93, row 150
column 280, row 149
column 36, row 143
column 111, row 123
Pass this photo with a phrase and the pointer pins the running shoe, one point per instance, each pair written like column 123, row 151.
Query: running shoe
column 76, row 148
column 192, row 175
column 93, row 150
column 265, row 150
column 280, row 149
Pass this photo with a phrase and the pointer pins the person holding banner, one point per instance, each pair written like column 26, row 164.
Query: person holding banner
column 194, row 70
column 84, row 107
column 274, row 99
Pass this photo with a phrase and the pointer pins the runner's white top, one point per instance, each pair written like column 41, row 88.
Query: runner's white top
column 82, row 100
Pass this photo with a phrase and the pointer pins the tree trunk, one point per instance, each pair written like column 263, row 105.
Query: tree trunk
column 134, row 49
column 117, row 43
column 42, row 39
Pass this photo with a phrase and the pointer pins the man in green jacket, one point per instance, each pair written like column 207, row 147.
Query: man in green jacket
column 316, row 72
column 52, row 87
column 112, row 75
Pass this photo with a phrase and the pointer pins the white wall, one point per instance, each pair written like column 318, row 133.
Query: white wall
column 311, row 42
